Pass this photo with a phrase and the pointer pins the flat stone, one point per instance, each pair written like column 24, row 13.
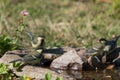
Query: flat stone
column 62, row 62
column 10, row 56
column 39, row 73
column 36, row 72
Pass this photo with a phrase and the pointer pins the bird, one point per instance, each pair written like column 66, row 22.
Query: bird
column 31, row 58
column 94, row 51
column 100, row 57
column 109, row 47
column 36, row 55
column 116, row 61
column 40, row 41
column 95, row 55
column 111, row 44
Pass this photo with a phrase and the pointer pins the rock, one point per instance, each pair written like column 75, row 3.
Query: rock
column 50, row 54
column 10, row 56
column 36, row 72
column 75, row 70
column 82, row 54
column 39, row 73
column 62, row 62
column 66, row 49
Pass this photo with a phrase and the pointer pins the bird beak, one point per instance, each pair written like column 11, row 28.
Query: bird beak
column 39, row 50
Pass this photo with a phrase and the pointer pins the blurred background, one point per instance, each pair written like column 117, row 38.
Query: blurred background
column 75, row 23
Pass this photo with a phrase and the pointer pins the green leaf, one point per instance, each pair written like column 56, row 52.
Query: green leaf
column 3, row 68
column 6, row 44
column 25, row 78
column 17, row 65
column 59, row 78
column 48, row 76
column 22, row 78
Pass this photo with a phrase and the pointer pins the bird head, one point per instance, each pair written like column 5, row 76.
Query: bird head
column 109, row 45
column 39, row 44
column 40, row 38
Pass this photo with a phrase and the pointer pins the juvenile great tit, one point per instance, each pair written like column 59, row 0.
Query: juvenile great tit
column 39, row 44
column 31, row 58
column 109, row 47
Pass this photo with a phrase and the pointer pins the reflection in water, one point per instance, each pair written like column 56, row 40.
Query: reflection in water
column 102, row 75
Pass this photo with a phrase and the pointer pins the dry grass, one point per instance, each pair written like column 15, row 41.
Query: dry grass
column 63, row 22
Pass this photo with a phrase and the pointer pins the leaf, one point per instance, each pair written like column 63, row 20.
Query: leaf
column 25, row 78
column 48, row 76
column 6, row 44
column 59, row 78
column 3, row 68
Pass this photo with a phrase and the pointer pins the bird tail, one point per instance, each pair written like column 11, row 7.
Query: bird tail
column 30, row 35
column 116, row 38
column 17, row 60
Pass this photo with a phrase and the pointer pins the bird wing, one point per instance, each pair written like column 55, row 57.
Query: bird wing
column 91, row 51
column 32, row 58
column 17, row 60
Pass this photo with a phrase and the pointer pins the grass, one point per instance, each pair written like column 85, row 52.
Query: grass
column 63, row 22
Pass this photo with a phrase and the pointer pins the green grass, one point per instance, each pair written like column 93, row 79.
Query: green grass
column 63, row 22
column 6, row 44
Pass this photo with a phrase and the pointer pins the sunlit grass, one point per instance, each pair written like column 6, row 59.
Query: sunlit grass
column 63, row 22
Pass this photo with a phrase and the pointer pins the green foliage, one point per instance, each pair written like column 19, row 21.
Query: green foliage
column 48, row 76
column 115, row 9
column 116, row 5
column 25, row 78
column 4, row 72
column 7, row 74
column 3, row 69
column 6, row 44
column 58, row 78
column 17, row 65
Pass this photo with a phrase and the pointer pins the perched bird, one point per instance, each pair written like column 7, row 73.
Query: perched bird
column 103, row 54
column 109, row 47
column 94, row 51
column 31, row 58
column 111, row 44
column 36, row 55
column 40, row 41
column 95, row 55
